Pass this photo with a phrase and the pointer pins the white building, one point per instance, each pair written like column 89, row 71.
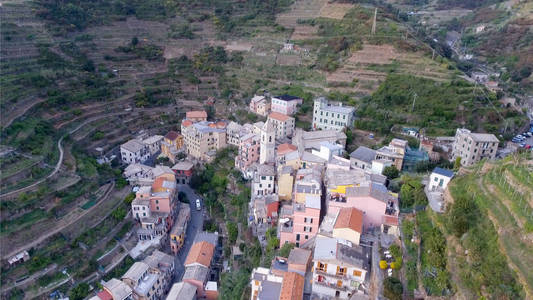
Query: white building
column 264, row 180
column 139, row 174
column 332, row 115
column 153, row 143
column 284, row 124
column 473, row 147
column 439, row 179
column 134, row 151
column 339, row 268
column 328, row 150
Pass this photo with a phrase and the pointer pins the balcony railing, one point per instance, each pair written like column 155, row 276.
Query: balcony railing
column 337, row 276
column 331, row 285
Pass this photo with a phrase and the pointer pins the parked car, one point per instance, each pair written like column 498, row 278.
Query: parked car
column 523, row 145
column 529, row 134
column 198, row 205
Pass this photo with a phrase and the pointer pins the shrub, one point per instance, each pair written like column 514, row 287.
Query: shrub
column 383, row 264
column 392, row 288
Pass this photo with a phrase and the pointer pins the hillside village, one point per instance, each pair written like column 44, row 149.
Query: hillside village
column 333, row 211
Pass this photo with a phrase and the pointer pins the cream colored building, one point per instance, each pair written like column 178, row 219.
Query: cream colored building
column 473, row 147
column 203, row 139
column 285, row 183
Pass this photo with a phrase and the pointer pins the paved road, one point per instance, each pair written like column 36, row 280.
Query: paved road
column 195, row 225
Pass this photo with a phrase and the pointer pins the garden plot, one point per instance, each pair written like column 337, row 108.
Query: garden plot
column 304, row 32
column 300, row 10
column 335, row 10
column 284, row 59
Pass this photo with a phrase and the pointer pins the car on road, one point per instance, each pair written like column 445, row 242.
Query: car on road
column 198, row 205
column 523, row 145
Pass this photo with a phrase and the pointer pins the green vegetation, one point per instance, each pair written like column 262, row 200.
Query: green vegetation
column 80, row 291
column 411, row 257
column 392, row 288
column 438, row 107
column 491, row 223
column 412, row 192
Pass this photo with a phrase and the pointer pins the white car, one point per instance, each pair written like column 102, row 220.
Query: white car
column 198, row 205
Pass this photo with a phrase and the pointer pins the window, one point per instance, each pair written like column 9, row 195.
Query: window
column 357, row 273
column 297, row 236
column 341, row 271
column 157, row 207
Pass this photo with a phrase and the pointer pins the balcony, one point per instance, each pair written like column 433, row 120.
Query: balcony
column 336, row 276
column 331, row 286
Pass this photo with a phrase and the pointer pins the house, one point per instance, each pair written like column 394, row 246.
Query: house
column 248, row 153
column 439, row 179
column 203, row 139
column 306, row 140
column 299, row 221
column 115, row 289
column 328, row 150
column 473, row 147
column 480, row 77
column 285, row 183
column 263, row 182
column 182, row 291
column 338, row 180
column 362, row 158
column 284, row 125
column 179, row 229
column 308, row 184
column 183, row 171
column 171, row 145
column 309, row 160
column 265, row 209
column 339, row 268
column 196, row 115
column 259, row 105
column 134, row 151
column 349, row 225
column 234, row 131
column 197, row 266
column 332, row 115
column 139, row 174
column 163, row 265
column 292, row 286
column 153, row 143
column 394, row 152
column 19, row 258
column 265, row 285
column 145, row 284
column 373, row 199
column 285, row 104
column 299, row 260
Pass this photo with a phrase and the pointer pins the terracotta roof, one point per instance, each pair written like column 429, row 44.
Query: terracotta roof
column 186, row 123
column 286, row 148
column 200, row 253
column 350, row 218
column 278, row 116
column 104, row 295
column 172, row 135
column 196, row 114
column 292, row 286
column 390, row 220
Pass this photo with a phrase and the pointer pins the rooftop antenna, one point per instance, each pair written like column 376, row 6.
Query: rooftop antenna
column 374, row 23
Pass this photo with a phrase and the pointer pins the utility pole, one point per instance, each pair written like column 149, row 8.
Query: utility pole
column 414, row 100
column 374, row 23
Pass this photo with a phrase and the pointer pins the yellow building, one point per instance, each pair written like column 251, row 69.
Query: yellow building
column 177, row 233
column 285, row 183
column 349, row 225
column 171, row 145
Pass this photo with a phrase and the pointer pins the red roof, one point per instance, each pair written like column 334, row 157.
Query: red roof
column 278, row 116
column 105, row 295
column 172, row 135
column 350, row 218
column 196, row 114
column 292, row 286
column 286, row 148
column 390, row 220
column 200, row 253
column 186, row 123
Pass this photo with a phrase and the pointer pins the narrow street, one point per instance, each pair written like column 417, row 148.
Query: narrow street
column 196, row 224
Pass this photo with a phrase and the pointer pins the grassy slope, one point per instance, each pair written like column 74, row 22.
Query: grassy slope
column 499, row 241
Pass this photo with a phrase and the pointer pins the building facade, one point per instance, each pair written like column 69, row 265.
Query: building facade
column 203, row 139
column 259, row 105
column 284, row 124
column 285, row 104
column 134, row 151
column 473, row 147
column 332, row 115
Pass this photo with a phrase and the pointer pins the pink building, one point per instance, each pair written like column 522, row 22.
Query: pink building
column 374, row 200
column 299, row 222
column 248, row 152
column 285, row 104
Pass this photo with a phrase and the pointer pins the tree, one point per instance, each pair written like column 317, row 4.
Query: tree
column 457, row 164
column 383, row 264
column 80, row 291
column 392, row 288
column 129, row 198
column 286, row 250
column 134, row 41
column 391, row 172
column 233, row 232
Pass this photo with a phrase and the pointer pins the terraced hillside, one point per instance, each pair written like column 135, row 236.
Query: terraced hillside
column 490, row 226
